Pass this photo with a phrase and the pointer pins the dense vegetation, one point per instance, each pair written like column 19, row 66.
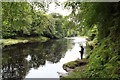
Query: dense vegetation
column 99, row 21
column 21, row 19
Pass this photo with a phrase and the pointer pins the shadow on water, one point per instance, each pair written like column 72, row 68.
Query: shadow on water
column 16, row 65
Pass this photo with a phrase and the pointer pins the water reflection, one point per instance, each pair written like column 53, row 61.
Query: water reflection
column 26, row 60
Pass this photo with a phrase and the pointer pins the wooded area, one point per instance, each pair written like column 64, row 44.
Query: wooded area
column 22, row 20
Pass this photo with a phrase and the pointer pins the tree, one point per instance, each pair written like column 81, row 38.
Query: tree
column 16, row 18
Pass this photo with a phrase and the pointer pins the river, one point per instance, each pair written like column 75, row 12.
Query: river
column 40, row 60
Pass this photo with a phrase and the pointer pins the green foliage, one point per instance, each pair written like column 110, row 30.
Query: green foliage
column 23, row 20
column 104, row 15
column 103, row 60
column 54, row 28
column 16, row 17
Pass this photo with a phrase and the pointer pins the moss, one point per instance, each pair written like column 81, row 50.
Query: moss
column 71, row 64
column 76, row 63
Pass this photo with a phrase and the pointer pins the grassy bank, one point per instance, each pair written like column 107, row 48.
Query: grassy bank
column 22, row 40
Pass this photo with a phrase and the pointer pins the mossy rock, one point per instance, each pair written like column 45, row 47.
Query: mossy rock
column 74, row 64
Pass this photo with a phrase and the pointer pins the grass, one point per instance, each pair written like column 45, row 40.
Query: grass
column 22, row 40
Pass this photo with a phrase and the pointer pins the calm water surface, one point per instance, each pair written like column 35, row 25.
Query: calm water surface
column 40, row 60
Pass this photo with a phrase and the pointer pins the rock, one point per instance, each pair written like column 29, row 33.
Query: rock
column 62, row 74
column 69, row 69
column 71, row 66
column 88, row 39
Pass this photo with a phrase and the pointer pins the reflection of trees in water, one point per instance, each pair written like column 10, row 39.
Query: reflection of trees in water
column 14, row 60
column 55, row 49
column 14, row 63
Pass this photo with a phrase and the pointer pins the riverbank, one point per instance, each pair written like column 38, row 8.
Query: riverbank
column 22, row 40
column 103, row 60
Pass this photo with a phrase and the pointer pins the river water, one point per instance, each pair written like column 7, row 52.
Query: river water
column 40, row 60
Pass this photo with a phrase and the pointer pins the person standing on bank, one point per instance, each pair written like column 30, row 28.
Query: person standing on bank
column 82, row 51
